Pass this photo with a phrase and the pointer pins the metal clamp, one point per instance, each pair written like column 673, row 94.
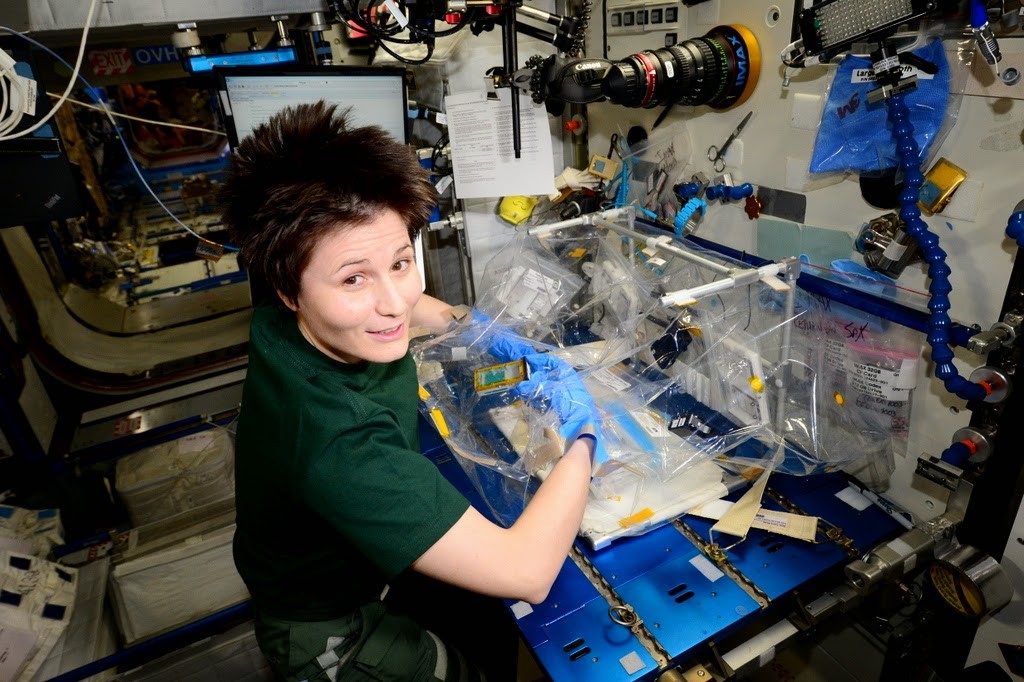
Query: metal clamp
column 1003, row 333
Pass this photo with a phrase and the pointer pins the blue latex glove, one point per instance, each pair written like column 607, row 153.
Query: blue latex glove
column 553, row 384
column 554, row 381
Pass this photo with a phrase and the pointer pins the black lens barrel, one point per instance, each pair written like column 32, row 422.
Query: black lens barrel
column 712, row 70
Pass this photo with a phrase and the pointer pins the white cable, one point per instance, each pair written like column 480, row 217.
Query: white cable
column 10, row 122
column 71, row 83
column 140, row 119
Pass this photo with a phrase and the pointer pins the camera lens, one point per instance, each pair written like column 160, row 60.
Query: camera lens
column 718, row 69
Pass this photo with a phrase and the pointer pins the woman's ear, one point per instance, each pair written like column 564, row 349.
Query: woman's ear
column 292, row 305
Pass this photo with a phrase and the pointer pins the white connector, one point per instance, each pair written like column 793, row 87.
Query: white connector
column 6, row 61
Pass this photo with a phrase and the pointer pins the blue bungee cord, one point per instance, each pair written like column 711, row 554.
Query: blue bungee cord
column 1015, row 228
column 938, row 324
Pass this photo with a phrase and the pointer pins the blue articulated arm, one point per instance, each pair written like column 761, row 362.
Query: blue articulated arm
column 939, row 322
column 1015, row 227
column 686, row 212
column 957, row 454
column 729, row 192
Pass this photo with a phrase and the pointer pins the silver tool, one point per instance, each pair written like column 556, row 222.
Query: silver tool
column 716, row 155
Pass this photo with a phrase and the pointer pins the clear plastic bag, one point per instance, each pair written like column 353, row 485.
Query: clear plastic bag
column 849, row 391
column 683, row 395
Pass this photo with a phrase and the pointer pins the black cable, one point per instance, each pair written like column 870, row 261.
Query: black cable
column 406, row 60
column 435, row 156
column 387, row 32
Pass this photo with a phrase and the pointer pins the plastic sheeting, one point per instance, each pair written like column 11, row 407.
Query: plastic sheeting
column 686, row 396
column 166, row 479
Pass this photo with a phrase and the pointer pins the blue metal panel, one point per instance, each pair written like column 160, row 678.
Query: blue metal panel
column 682, row 607
column 816, row 495
column 776, row 564
column 589, row 647
column 569, row 594
column 628, row 558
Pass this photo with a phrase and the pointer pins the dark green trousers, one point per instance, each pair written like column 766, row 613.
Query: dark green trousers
column 369, row 645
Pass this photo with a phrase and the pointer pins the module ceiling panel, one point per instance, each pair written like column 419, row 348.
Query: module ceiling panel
column 63, row 15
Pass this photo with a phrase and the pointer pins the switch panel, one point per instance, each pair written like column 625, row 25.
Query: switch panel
column 638, row 25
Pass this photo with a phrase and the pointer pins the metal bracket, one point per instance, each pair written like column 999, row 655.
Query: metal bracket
column 1003, row 333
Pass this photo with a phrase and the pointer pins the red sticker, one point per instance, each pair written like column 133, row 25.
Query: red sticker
column 110, row 62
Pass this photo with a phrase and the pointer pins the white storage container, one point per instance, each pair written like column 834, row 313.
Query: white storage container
column 163, row 480
column 232, row 656
column 174, row 584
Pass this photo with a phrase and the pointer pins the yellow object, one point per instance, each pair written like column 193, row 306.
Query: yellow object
column 958, row 589
column 424, row 395
column 603, row 167
column 750, row 473
column 578, row 253
column 939, row 184
column 756, row 383
column 439, row 423
column 495, row 378
column 754, row 53
column 639, row 517
column 516, row 209
column 840, row 400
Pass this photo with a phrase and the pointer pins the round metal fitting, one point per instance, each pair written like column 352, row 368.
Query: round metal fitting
column 995, row 378
column 983, row 446
column 623, row 615
column 318, row 22
column 1010, row 76
column 970, row 581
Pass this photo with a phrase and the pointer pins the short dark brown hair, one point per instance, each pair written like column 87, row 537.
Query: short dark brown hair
column 306, row 173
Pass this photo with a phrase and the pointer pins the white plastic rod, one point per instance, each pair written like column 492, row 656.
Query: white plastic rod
column 691, row 296
column 627, row 213
column 663, row 243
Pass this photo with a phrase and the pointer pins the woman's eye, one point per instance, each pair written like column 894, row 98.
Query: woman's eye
column 401, row 265
column 352, row 281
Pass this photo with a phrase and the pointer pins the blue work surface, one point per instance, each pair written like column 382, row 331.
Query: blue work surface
column 817, row 496
column 682, row 598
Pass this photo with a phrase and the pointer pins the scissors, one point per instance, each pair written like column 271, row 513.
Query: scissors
column 717, row 154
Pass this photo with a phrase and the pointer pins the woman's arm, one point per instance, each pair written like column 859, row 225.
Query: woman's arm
column 432, row 313
column 523, row 561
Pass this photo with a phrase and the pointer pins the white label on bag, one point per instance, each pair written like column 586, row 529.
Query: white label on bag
column 197, row 442
column 908, row 374
column 867, row 76
column 613, row 382
column 528, row 293
column 651, row 425
column 835, row 353
column 880, row 382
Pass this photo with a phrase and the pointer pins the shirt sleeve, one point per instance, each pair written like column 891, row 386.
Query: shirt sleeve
column 390, row 502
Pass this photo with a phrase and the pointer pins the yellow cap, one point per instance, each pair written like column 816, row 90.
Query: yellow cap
column 756, row 383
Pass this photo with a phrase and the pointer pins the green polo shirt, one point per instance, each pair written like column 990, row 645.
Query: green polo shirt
column 333, row 497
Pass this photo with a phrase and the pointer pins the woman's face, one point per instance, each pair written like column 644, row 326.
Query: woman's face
column 357, row 294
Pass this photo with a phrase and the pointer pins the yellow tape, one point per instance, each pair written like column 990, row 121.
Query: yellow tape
column 439, row 423
column 639, row 517
column 424, row 395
